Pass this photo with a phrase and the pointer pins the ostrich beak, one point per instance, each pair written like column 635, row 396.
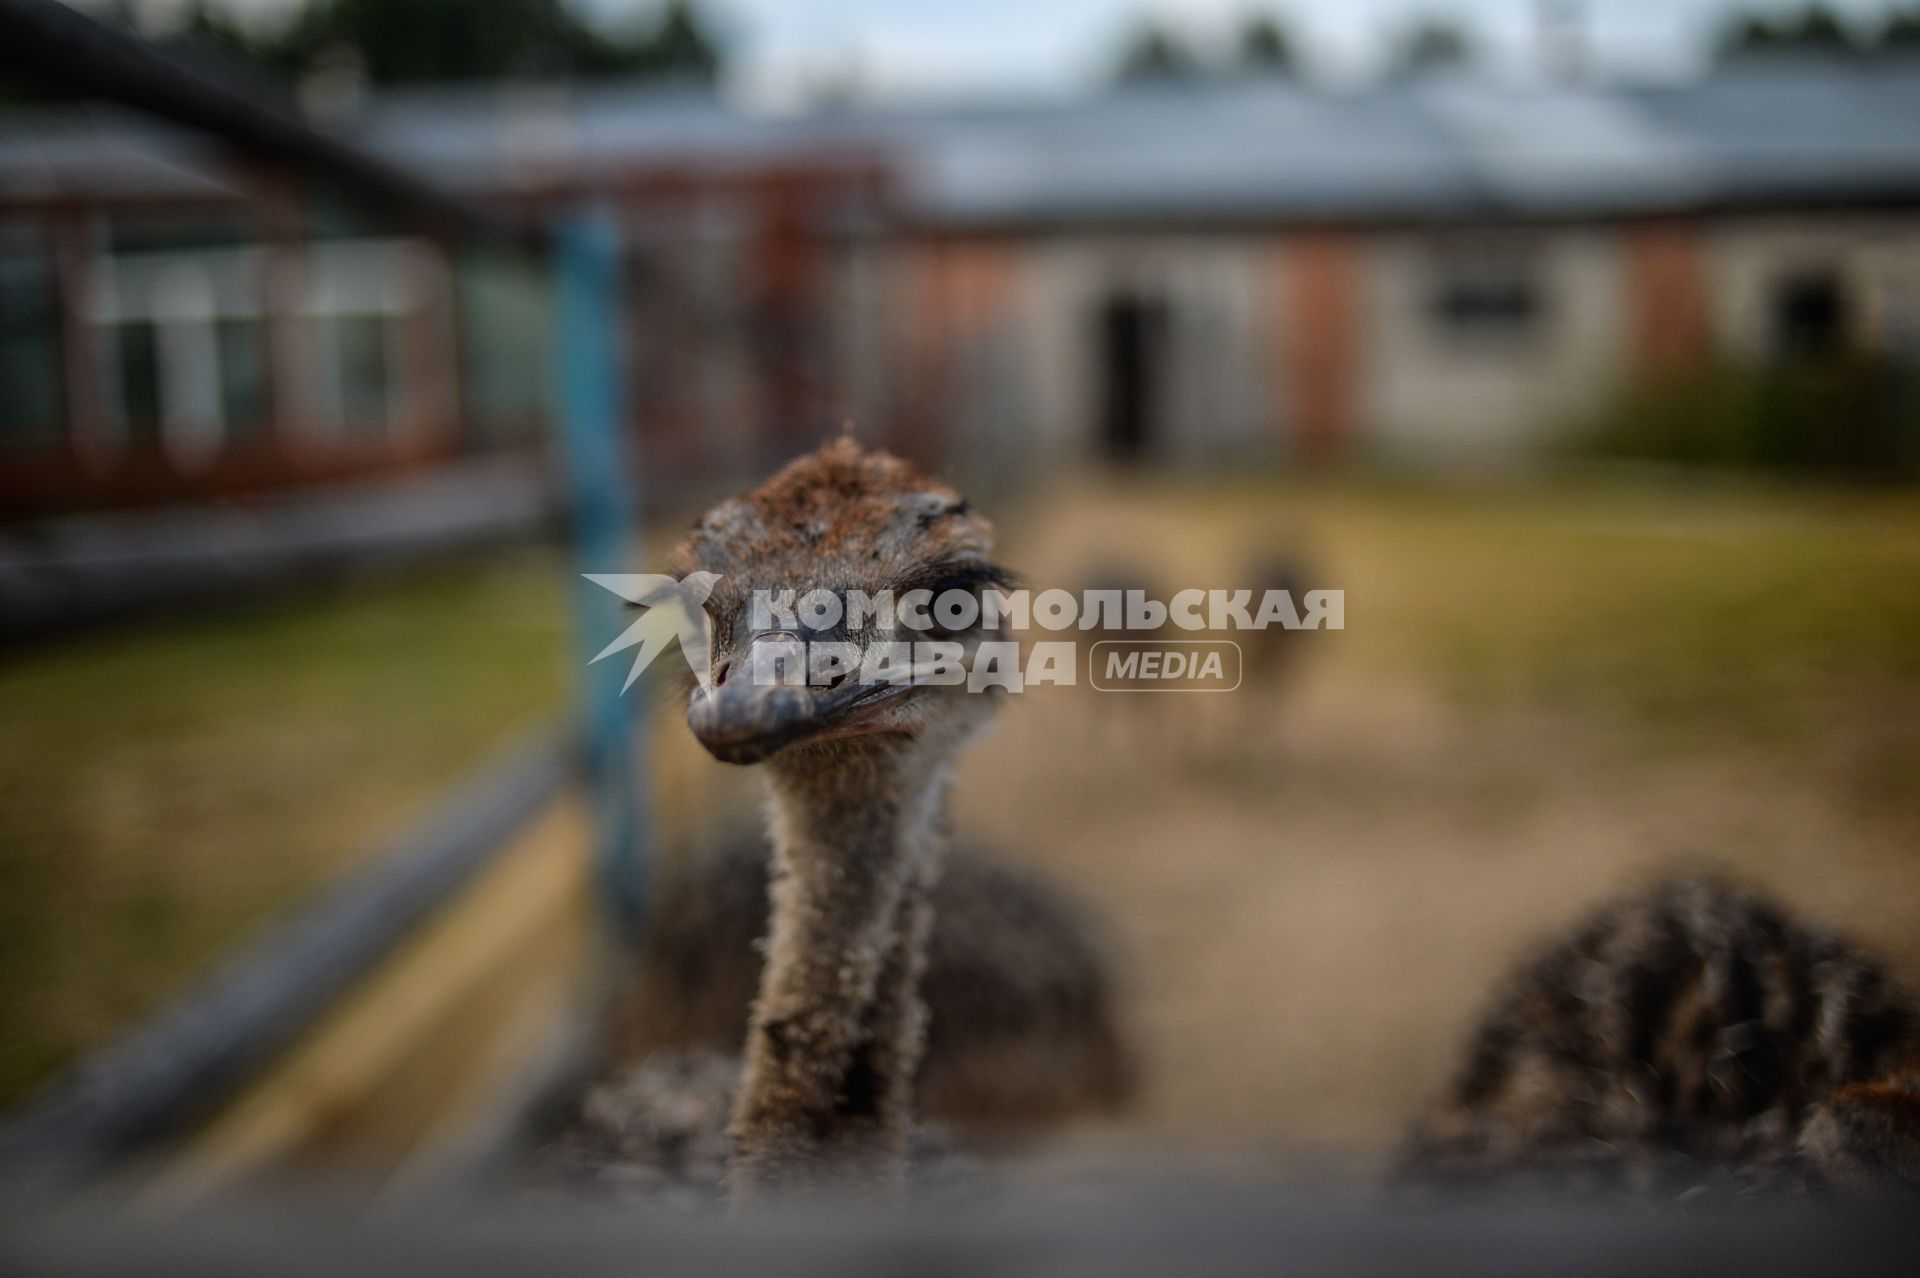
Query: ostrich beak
column 759, row 702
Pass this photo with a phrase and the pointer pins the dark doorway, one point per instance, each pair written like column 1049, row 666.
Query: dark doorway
column 1132, row 332
column 1810, row 316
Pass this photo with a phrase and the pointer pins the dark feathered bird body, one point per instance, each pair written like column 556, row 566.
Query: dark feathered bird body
column 1690, row 1035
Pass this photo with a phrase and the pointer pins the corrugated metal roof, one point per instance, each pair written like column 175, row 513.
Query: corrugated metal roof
column 1796, row 128
column 1777, row 130
column 1180, row 153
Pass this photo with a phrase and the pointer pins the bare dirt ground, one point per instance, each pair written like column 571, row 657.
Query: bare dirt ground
column 1309, row 930
column 1316, row 884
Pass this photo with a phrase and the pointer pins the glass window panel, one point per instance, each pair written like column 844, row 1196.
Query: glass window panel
column 243, row 377
column 1487, row 292
column 30, row 389
column 503, row 356
column 138, row 346
column 365, row 372
column 149, row 231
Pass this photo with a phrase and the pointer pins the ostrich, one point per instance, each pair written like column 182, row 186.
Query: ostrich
column 1024, row 1028
column 1272, row 654
column 1024, row 1032
column 1692, row 1039
column 857, row 773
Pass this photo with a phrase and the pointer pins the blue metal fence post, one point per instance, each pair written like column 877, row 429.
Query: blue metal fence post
column 590, row 361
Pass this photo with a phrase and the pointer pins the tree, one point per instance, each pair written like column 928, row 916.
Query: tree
column 1156, row 56
column 1746, row 35
column 1817, row 30
column 1265, row 47
column 681, row 46
column 406, row 41
column 1822, row 31
column 1901, row 36
column 203, row 26
column 426, row 40
column 1431, row 44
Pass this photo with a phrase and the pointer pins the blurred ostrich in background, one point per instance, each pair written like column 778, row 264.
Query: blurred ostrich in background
column 1693, row 1039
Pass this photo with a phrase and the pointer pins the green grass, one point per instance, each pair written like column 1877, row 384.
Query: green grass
column 1681, row 619
column 166, row 787
column 1704, row 613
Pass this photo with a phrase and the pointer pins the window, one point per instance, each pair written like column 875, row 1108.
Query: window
column 137, row 346
column 30, row 389
column 503, row 349
column 361, row 293
column 184, row 334
column 242, row 342
column 1486, row 293
column 1810, row 314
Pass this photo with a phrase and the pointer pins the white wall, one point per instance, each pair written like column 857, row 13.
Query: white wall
column 1216, row 404
column 1422, row 394
column 1876, row 257
column 1425, row 393
column 1430, row 395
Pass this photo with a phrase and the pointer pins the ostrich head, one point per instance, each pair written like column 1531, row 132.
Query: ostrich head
column 840, row 520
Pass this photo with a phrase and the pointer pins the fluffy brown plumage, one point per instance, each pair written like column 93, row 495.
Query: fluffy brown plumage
column 1691, row 1037
column 1023, row 1025
column 857, row 773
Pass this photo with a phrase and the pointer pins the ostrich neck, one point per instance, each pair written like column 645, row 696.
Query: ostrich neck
column 838, row 1027
column 866, row 811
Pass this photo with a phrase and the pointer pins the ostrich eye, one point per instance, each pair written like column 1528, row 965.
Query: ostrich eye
column 962, row 574
column 969, row 577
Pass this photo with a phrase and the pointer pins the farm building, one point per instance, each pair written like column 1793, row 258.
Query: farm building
column 1444, row 272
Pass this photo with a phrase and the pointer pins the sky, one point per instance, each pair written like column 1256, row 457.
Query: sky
column 785, row 51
